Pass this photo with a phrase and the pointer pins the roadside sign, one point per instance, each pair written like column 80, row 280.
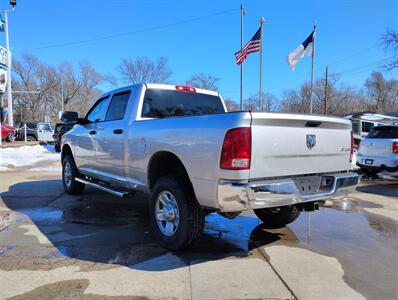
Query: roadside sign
column 3, row 80
column 3, row 56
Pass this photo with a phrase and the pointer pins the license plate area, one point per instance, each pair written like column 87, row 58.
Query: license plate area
column 308, row 184
column 368, row 161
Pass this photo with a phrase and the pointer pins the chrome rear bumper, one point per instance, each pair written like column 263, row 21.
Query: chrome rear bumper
column 280, row 192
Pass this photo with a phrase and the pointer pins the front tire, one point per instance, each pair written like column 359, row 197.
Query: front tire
column 277, row 217
column 30, row 138
column 175, row 215
column 69, row 174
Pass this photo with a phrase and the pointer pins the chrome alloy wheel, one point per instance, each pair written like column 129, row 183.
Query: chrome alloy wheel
column 167, row 213
column 68, row 175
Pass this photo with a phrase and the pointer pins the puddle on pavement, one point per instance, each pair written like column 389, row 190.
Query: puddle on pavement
column 44, row 215
column 356, row 238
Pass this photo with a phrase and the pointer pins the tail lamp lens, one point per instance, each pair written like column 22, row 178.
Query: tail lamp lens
column 236, row 150
column 352, row 147
column 395, row 147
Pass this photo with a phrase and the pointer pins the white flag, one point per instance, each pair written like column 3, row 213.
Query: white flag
column 304, row 49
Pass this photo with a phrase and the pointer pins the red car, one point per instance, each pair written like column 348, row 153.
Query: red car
column 8, row 133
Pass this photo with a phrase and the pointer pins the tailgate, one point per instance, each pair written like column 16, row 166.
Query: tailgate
column 294, row 144
column 376, row 147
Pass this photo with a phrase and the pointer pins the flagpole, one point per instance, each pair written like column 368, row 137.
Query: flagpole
column 262, row 21
column 312, row 67
column 242, row 13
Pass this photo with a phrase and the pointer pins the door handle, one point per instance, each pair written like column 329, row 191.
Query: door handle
column 92, row 132
column 118, row 131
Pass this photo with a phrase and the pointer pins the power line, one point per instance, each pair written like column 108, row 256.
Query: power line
column 71, row 43
column 374, row 64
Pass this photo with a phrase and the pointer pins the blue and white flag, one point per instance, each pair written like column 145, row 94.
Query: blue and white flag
column 304, row 49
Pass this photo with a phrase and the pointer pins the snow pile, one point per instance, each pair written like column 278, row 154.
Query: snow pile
column 14, row 157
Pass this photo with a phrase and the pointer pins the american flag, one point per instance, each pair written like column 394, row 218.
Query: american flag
column 253, row 45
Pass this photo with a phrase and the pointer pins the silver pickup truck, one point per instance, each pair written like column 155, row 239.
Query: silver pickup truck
column 180, row 145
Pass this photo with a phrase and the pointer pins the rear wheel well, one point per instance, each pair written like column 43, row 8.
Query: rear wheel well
column 166, row 163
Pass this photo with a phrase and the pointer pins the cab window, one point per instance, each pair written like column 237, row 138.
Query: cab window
column 117, row 107
column 44, row 127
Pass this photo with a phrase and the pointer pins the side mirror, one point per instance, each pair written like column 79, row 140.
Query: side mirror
column 82, row 121
column 69, row 117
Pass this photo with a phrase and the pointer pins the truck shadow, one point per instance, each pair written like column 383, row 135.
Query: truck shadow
column 100, row 228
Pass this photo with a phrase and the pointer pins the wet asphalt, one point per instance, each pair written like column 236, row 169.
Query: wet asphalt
column 348, row 250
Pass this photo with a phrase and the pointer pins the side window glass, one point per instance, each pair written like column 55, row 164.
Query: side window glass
column 367, row 126
column 44, row 127
column 98, row 112
column 117, row 107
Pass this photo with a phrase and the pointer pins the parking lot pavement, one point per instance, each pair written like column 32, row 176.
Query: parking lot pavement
column 96, row 246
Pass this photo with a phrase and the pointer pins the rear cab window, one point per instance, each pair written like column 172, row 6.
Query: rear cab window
column 385, row 132
column 117, row 107
column 162, row 103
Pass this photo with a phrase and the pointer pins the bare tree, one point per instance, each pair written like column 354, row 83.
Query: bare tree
column 142, row 69
column 231, row 105
column 42, row 85
column 390, row 42
column 203, row 81
column 383, row 93
column 253, row 103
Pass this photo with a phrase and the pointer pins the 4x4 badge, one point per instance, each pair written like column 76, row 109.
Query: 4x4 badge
column 311, row 141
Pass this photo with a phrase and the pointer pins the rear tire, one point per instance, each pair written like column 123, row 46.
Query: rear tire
column 69, row 174
column 277, row 217
column 175, row 215
column 10, row 137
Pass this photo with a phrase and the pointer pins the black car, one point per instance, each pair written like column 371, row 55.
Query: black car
column 60, row 129
column 31, row 131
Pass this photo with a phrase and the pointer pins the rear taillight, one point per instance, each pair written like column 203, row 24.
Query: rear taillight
column 395, row 147
column 236, row 150
column 352, row 147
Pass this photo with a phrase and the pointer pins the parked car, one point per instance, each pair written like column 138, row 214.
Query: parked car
column 379, row 150
column 59, row 130
column 45, row 132
column 180, row 145
column 31, row 131
column 36, row 131
column 8, row 133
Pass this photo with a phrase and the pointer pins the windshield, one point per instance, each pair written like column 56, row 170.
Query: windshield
column 385, row 132
column 167, row 103
column 63, row 127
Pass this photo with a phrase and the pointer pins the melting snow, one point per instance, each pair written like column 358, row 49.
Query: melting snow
column 26, row 156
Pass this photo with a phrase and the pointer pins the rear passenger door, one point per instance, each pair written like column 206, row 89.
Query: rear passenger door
column 110, row 137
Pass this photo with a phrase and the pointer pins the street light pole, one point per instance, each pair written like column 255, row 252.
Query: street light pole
column 9, row 97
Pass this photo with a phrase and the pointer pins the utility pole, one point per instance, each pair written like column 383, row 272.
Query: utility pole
column 62, row 93
column 242, row 13
column 262, row 21
column 325, row 109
